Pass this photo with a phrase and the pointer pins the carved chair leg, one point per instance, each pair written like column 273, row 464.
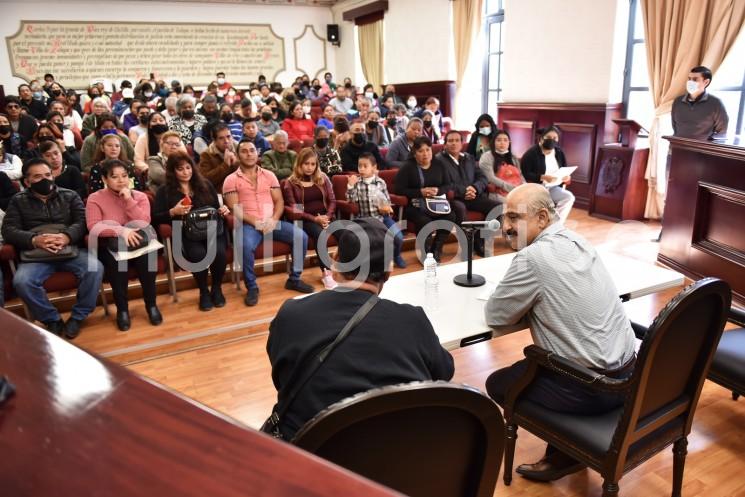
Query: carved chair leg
column 680, row 449
column 510, row 436
column 610, row 488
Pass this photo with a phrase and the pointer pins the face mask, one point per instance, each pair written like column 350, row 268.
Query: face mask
column 105, row 132
column 372, row 124
column 549, row 143
column 347, row 85
column 60, row 126
column 485, row 131
column 5, row 129
column 266, row 116
column 427, row 124
column 316, row 87
column 43, row 187
column 306, row 109
column 143, row 120
column 369, row 94
column 37, row 95
column 159, row 128
column 290, row 98
column 46, row 139
column 57, row 93
column 187, row 114
column 220, row 81
column 391, row 121
column 227, row 117
column 231, row 93
column 691, row 87
column 148, row 94
column 256, row 98
column 322, row 142
column 358, row 138
column 411, row 103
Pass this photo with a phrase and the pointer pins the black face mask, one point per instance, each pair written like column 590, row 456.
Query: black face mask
column 57, row 93
column 159, row 128
column 143, row 120
column 322, row 142
column 391, row 122
column 59, row 126
column 5, row 128
column 372, row 124
column 187, row 114
column 316, row 87
column 266, row 116
column 347, row 85
column 359, row 138
column 227, row 117
column 290, row 98
column 549, row 143
column 43, row 187
column 427, row 124
column 46, row 139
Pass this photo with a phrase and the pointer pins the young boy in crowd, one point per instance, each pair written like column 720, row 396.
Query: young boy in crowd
column 370, row 194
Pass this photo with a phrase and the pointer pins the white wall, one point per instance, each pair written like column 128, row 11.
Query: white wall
column 564, row 51
column 287, row 22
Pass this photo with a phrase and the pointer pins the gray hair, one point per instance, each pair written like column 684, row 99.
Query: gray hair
column 171, row 102
column 209, row 99
column 99, row 100
column 184, row 99
column 542, row 200
column 281, row 134
column 399, row 107
column 414, row 120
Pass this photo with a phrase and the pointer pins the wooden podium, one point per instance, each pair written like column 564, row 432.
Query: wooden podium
column 619, row 190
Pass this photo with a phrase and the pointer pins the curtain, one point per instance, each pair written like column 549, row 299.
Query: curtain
column 370, row 37
column 467, row 19
column 680, row 34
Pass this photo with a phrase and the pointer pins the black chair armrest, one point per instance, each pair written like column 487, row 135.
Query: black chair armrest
column 565, row 367
column 736, row 316
column 639, row 330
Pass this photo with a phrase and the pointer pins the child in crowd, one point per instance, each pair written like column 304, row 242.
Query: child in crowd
column 370, row 194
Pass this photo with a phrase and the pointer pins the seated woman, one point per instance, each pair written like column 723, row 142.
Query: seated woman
column 143, row 116
column 429, row 130
column 483, row 138
column 541, row 162
column 149, row 143
column 500, row 167
column 10, row 164
column 297, row 126
column 375, row 131
column 328, row 157
column 267, row 125
column 183, row 181
column 307, row 107
column 421, row 178
column 110, row 147
column 369, row 92
column 115, row 215
column 309, row 195
column 108, row 124
column 64, row 175
column 327, row 118
column 99, row 107
column 170, row 143
column 187, row 123
column 51, row 132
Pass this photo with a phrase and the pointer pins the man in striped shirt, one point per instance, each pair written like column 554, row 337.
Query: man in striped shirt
column 557, row 285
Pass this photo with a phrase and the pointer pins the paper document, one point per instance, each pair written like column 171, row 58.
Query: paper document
column 562, row 173
column 131, row 254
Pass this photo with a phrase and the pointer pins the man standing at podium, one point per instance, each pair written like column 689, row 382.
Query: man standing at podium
column 698, row 114
column 560, row 288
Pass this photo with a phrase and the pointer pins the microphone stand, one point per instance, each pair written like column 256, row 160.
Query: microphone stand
column 469, row 279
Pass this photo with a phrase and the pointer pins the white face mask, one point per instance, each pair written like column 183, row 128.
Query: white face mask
column 691, row 86
column 306, row 109
column 256, row 98
column 369, row 94
column 148, row 94
column 220, row 81
column 411, row 103
column 485, row 131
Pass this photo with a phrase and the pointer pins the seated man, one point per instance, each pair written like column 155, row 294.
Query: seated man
column 256, row 191
column 220, row 159
column 43, row 203
column 558, row 283
column 394, row 343
column 468, row 183
column 279, row 159
column 350, row 153
column 251, row 133
column 341, row 103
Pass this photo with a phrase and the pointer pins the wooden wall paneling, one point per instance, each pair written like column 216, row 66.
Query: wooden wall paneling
column 578, row 143
column 442, row 90
column 522, row 135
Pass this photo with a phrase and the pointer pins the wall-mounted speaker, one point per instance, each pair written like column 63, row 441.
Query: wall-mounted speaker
column 332, row 34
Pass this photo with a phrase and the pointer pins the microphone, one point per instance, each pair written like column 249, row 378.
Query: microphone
column 492, row 225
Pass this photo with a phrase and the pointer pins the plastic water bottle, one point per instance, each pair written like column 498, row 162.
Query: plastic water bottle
column 431, row 284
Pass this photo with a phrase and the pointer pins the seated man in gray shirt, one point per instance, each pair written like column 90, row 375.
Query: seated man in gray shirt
column 558, row 285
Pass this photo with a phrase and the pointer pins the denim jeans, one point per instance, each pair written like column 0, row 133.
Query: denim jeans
column 29, row 284
column 283, row 232
column 398, row 237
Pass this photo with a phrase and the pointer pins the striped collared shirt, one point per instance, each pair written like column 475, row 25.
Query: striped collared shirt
column 560, row 285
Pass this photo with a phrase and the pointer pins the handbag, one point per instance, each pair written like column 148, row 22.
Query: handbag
column 437, row 205
column 509, row 174
column 112, row 242
column 271, row 425
column 197, row 221
column 41, row 255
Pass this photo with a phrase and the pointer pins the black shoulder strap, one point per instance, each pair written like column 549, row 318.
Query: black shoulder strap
column 324, row 353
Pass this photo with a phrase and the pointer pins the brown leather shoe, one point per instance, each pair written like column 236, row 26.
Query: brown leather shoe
column 550, row 468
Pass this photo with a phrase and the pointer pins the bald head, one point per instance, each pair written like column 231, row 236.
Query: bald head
column 528, row 211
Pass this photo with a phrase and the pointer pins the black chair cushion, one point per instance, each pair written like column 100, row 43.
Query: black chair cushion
column 592, row 434
column 729, row 359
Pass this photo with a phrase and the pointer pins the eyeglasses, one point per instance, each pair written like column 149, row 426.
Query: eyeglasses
column 172, row 144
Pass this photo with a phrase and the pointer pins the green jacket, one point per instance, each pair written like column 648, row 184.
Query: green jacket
column 280, row 164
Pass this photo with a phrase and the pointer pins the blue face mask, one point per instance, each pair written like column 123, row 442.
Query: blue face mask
column 105, row 132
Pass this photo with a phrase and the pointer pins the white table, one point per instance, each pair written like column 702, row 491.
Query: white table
column 458, row 318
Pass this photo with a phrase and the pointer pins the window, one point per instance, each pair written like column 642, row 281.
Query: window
column 728, row 83
column 492, row 72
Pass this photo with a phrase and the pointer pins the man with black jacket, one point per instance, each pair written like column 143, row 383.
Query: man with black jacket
column 35, row 108
column 357, row 146
column 43, row 203
column 468, row 184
